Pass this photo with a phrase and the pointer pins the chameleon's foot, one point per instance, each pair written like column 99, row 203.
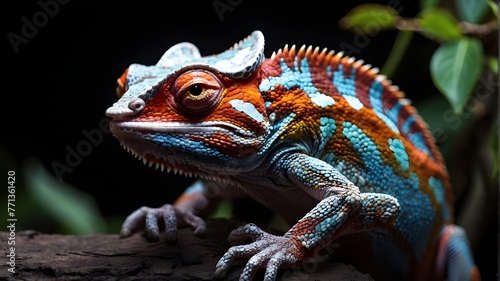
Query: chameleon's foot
column 267, row 251
column 168, row 215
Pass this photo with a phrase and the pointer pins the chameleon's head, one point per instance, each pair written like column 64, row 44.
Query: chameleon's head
column 194, row 114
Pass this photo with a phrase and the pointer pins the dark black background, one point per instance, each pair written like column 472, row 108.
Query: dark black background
column 63, row 79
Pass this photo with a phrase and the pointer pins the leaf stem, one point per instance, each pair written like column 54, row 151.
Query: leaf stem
column 399, row 48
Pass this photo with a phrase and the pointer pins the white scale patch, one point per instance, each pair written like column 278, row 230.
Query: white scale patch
column 322, row 100
column 247, row 108
column 346, row 86
column 354, row 102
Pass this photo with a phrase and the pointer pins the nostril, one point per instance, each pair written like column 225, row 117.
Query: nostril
column 136, row 105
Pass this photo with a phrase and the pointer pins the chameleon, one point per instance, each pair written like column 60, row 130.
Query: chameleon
column 319, row 137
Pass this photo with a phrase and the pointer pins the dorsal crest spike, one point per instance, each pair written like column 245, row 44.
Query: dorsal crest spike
column 404, row 101
column 293, row 50
column 309, row 50
column 339, row 55
column 316, row 51
column 330, row 55
column 320, row 55
column 381, row 77
column 302, row 51
column 366, row 67
column 277, row 54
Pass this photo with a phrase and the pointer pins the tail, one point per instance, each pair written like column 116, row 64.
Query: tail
column 454, row 258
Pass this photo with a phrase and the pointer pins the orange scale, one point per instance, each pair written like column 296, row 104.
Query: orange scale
column 225, row 105
column 141, row 119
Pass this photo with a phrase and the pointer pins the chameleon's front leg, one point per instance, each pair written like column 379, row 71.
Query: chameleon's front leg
column 342, row 209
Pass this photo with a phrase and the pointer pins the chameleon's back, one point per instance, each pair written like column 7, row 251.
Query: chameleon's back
column 364, row 128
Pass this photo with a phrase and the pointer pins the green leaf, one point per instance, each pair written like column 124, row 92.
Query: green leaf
column 224, row 210
column 368, row 18
column 74, row 210
column 398, row 51
column 472, row 11
column 426, row 4
column 439, row 24
column 455, row 67
column 493, row 64
column 493, row 7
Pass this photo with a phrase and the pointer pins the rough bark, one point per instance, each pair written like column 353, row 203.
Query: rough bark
column 41, row 256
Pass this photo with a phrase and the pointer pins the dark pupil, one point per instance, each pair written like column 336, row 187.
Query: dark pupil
column 195, row 90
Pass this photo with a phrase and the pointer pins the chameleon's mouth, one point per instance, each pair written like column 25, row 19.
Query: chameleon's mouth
column 131, row 136
column 159, row 163
column 183, row 169
column 177, row 127
column 174, row 127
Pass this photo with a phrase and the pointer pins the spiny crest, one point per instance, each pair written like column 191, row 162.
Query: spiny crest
column 328, row 62
column 324, row 58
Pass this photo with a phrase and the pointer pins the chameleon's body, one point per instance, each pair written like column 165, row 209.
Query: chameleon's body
column 318, row 137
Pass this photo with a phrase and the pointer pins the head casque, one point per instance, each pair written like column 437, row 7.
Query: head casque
column 194, row 114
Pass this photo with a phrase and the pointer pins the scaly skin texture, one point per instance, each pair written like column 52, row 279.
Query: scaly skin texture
column 318, row 137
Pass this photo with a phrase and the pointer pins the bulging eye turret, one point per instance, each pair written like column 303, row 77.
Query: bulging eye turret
column 197, row 92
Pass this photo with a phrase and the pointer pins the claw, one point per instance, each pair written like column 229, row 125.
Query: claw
column 200, row 231
column 248, row 231
column 170, row 220
column 267, row 251
column 152, row 229
column 134, row 222
column 273, row 265
column 219, row 273
column 255, row 263
column 149, row 219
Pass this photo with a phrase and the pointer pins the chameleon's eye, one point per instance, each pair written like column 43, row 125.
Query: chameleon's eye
column 197, row 91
